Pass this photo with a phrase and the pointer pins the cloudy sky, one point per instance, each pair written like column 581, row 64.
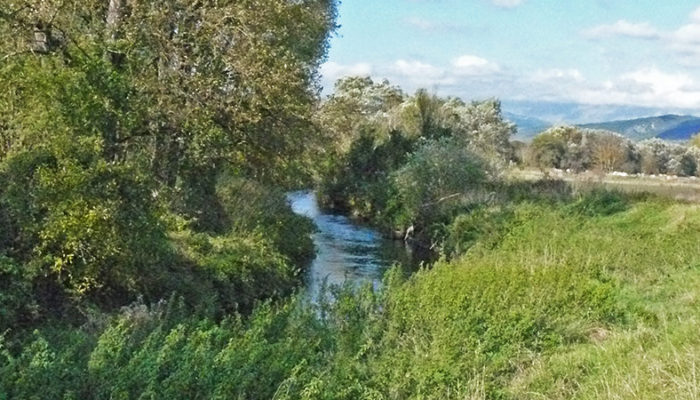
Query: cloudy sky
column 641, row 53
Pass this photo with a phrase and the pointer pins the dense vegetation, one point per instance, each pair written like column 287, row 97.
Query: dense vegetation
column 147, row 249
column 144, row 148
column 401, row 161
column 591, row 297
column 577, row 149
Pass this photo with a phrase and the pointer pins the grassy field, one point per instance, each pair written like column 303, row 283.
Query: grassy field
column 674, row 187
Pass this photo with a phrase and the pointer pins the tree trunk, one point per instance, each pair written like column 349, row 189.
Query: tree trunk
column 115, row 15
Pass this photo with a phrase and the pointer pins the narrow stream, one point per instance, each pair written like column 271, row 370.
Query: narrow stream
column 347, row 251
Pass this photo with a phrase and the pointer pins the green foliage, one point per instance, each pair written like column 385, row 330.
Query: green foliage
column 371, row 128
column 600, row 202
column 695, row 140
column 578, row 150
column 240, row 270
column 53, row 360
column 480, row 225
column 361, row 179
column 118, row 121
column 252, row 207
column 546, row 303
column 548, row 148
column 86, row 223
column 435, row 173
column 17, row 304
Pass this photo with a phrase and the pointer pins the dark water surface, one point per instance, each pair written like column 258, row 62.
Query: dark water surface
column 347, row 251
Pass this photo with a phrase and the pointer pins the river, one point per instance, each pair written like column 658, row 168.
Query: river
column 347, row 251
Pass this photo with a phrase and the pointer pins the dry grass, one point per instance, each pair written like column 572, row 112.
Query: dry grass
column 685, row 189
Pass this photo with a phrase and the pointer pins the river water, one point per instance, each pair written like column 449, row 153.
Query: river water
column 347, row 251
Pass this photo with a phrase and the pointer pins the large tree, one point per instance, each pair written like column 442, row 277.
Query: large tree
column 114, row 111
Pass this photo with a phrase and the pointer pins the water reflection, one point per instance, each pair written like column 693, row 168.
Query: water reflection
column 347, row 251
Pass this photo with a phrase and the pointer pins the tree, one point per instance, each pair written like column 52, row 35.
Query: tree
column 356, row 103
column 610, row 152
column 119, row 116
column 482, row 126
column 421, row 115
column 547, row 149
column 437, row 172
column 207, row 82
column 695, row 140
column 655, row 155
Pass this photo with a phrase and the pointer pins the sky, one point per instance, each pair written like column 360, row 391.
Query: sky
column 600, row 54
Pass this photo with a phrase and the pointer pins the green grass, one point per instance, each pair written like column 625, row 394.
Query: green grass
column 597, row 298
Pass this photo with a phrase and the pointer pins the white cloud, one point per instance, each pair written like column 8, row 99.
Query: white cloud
column 649, row 87
column 469, row 61
column 624, row 28
column 468, row 64
column 557, row 74
column 473, row 77
column 695, row 16
column 421, row 24
column 684, row 41
column 417, row 70
column 656, row 86
column 411, row 74
column 332, row 71
column 507, row 3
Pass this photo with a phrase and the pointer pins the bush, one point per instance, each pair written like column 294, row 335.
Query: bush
column 482, row 224
column 89, row 225
column 239, row 269
column 438, row 173
column 252, row 207
column 572, row 148
column 599, row 203
column 18, row 307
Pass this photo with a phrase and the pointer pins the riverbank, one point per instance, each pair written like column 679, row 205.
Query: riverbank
column 594, row 298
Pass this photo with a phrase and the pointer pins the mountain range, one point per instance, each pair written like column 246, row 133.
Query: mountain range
column 634, row 122
column 668, row 127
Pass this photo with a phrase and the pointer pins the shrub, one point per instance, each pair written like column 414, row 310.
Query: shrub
column 17, row 304
column 89, row 225
column 439, row 172
column 599, row 203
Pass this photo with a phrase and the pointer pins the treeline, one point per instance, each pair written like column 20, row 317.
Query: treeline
column 144, row 151
column 403, row 161
column 578, row 149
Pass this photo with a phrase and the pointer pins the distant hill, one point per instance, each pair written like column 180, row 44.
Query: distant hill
column 528, row 127
column 683, row 131
column 669, row 127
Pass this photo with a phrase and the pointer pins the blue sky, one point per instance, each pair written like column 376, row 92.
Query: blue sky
column 639, row 53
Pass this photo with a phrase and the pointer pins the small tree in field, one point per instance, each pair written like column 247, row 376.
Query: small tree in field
column 548, row 149
column 610, row 152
